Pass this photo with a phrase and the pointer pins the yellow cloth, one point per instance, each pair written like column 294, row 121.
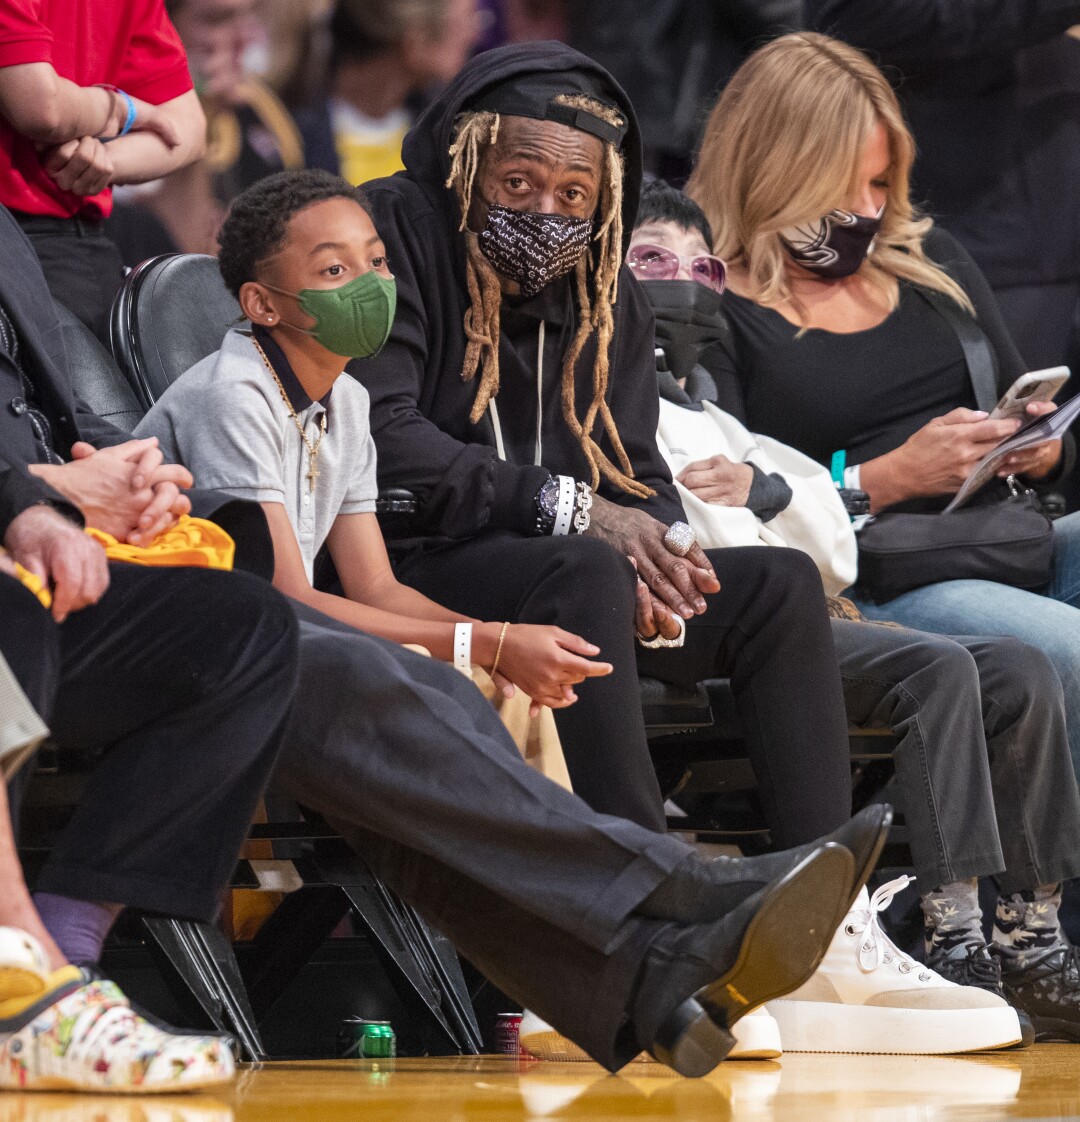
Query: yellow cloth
column 364, row 158
column 192, row 541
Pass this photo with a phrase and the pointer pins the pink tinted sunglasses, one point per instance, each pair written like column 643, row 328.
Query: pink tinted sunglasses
column 654, row 262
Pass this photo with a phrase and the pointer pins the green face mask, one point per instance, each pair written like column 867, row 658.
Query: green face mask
column 354, row 320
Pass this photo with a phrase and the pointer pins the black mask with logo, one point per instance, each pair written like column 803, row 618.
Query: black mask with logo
column 689, row 319
column 835, row 245
column 533, row 249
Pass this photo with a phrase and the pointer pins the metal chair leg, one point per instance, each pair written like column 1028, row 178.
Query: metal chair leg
column 202, row 960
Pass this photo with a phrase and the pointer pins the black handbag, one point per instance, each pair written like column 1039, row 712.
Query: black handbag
column 1009, row 541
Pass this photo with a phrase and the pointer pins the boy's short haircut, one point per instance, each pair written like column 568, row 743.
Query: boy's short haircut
column 660, row 202
column 255, row 226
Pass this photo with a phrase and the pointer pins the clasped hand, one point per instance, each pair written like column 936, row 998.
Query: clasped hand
column 667, row 583
column 126, row 491
column 83, row 166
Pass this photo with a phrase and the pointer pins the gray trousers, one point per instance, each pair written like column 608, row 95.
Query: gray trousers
column 983, row 768
column 409, row 761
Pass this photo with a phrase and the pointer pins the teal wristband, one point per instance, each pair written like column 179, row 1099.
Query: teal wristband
column 839, row 463
column 129, row 122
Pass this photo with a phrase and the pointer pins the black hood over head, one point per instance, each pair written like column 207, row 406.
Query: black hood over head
column 554, row 68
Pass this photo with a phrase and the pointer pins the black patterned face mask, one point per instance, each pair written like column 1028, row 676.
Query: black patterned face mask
column 533, row 249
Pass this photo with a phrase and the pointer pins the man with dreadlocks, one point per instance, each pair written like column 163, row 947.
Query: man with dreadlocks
column 516, row 397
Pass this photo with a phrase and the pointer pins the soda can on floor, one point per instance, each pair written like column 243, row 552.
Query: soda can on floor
column 508, row 1034
column 360, row 1039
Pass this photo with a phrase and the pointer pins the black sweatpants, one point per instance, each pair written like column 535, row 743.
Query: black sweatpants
column 767, row 629
column 178, row 683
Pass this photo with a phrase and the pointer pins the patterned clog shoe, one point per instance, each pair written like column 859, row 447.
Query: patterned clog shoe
column 85, row 1037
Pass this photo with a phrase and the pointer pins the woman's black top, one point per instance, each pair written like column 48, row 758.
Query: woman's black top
column 864, row 393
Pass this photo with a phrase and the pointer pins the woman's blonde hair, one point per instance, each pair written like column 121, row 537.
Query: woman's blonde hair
column 783, row 146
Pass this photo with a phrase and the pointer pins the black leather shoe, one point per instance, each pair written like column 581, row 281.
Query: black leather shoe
column 980, row 968
column 701, row 889
column 698, row 981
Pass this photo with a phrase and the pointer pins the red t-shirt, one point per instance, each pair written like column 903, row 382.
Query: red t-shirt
column 131, row 44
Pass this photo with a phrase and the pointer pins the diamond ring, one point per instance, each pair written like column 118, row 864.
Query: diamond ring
column 680, row 539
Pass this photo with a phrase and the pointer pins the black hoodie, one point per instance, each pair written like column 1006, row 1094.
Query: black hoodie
column 419, row 403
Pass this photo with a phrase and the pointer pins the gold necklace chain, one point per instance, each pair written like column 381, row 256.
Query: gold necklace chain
column 313, row 472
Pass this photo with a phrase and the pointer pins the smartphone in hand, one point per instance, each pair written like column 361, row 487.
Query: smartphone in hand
column 1036, row 385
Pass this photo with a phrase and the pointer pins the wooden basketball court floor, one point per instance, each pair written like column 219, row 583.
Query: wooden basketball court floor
column 1041, row 1082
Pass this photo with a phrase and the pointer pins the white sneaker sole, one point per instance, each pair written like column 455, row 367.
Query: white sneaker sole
column 756, row 1038
column 821, row 1026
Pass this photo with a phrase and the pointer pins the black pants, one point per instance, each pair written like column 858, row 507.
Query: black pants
column 81, row 265
column 410, row 762
column 982, row 765
column 767, row 629
column 177, row 683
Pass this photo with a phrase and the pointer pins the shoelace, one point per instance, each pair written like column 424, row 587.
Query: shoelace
column 980, row 968
column 876, row 947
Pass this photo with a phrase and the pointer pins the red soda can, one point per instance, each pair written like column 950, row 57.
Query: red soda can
column 507, row 1033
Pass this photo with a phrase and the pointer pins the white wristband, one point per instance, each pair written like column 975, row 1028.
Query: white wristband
column 852, row 478
column 565, row 512
column 463, row 648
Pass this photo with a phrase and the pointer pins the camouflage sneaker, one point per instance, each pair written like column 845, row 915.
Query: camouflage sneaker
column 979, row 967
column 1047, row 986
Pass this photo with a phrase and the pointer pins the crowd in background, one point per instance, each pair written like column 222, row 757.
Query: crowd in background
column 820, row 376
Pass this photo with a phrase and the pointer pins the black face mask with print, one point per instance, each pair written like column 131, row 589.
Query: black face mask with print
column 533, row 249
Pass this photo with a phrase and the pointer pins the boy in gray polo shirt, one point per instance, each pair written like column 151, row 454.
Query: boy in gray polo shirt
column 269, row 418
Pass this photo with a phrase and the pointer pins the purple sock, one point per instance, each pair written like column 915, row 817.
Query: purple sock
column 78, row 926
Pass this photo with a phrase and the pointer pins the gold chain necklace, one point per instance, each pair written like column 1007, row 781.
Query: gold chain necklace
column 313, row 472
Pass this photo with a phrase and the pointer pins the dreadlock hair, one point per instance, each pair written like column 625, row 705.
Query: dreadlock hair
column 474, row 132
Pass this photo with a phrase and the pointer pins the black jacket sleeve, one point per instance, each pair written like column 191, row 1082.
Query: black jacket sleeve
column 916, row 31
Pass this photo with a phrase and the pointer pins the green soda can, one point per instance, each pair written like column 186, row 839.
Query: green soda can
column 366, row 1040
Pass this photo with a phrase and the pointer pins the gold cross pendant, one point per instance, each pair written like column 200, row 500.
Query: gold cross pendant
column 313, row 473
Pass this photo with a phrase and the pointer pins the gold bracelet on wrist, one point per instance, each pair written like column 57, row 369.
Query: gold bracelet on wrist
column 498, row 649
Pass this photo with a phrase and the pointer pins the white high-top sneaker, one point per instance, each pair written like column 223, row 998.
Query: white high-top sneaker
column 756, row 1038
column 868, row 996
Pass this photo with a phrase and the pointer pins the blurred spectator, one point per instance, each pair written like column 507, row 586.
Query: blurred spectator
column 671, row 56
column 384, row 55
column 68, row 133
column 250, row 134
column 991, row 91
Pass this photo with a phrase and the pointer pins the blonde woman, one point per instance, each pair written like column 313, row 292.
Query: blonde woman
column 840, row 348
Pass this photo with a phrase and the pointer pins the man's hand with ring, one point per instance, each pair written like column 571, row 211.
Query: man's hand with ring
column 680, row 583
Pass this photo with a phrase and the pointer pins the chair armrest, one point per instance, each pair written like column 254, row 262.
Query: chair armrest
column 396, row 500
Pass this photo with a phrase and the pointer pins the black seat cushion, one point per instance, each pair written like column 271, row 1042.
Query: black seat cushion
column 171, row 312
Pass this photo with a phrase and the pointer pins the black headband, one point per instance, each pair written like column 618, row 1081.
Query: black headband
column 534, row 96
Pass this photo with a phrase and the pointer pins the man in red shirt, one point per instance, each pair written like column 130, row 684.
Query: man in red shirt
column 93, row 93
